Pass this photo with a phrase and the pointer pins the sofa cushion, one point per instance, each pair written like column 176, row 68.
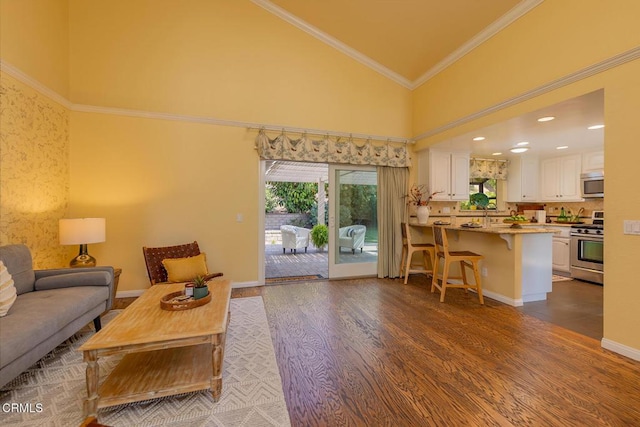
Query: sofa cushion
column 185, row 269
column 7, row 290
column 85, row 278
column 18, row 260
column 36, row 316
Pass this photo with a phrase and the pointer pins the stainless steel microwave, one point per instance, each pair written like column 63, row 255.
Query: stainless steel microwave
column 592, row 184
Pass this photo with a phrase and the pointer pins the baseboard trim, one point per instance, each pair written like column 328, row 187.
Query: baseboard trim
column 237, row 285
column 501, row 298
column 630, row 352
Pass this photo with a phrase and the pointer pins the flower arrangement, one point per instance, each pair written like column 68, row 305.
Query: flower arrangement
column 419, row 196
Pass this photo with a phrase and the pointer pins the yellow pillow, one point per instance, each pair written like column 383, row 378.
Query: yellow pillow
column 185, row 269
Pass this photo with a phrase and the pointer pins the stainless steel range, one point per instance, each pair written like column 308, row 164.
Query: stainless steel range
column 587, row 250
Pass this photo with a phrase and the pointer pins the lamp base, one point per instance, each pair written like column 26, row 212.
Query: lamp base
column 83, row 259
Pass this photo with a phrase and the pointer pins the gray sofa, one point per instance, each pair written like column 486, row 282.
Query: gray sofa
column 51, row 306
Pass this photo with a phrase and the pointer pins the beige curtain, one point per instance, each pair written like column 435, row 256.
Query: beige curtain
column 488, row 168
column 392, row 187
column 332, row 150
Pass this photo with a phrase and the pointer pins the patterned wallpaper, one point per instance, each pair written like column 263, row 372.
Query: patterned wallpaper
column 34, row 171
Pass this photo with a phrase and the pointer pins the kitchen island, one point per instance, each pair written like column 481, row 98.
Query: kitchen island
column 517, row 261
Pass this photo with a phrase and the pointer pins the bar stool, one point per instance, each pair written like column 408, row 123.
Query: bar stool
column 409, row 248
column 465, row 258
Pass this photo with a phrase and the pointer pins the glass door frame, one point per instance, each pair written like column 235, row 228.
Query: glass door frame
column 339, row 270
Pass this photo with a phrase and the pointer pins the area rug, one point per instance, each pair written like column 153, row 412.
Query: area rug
column 293, row 278
column 53, row 390
column 556, row 278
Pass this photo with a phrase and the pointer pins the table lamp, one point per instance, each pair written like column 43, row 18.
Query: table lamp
column 82, row 231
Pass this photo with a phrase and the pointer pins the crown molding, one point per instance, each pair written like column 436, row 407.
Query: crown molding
column 333, row 42
column 607, row 64
column 17, row 74
column 498, row 25
column 501, row 23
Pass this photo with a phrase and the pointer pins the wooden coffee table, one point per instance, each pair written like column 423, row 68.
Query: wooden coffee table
column 165, row 352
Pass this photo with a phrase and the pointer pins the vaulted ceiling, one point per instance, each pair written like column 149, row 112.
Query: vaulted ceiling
column 408, row 40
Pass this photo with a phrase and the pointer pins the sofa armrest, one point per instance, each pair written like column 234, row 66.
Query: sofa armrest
column 69, row 277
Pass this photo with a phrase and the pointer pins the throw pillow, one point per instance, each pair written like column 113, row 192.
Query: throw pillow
column 350, row 232
column 7, row 290
column 185, row 269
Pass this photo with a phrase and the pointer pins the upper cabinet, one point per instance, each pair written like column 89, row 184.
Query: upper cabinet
column 444, row 172
column 522, row 180
column 593, row 161
column 560, row 179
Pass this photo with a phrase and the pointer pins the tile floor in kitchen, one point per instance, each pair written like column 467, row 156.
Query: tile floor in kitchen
column 574, row 305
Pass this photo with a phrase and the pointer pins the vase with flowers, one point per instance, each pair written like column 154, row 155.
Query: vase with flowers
column 420, row 197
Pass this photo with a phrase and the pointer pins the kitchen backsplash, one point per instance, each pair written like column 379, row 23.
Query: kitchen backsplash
column 553, row 209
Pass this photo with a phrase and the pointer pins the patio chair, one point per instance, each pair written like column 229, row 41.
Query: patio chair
column 294, row 238
column 153, row 258
column 352, row 237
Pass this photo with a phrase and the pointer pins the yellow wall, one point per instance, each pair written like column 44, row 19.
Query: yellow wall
column 233, row 60
column 553, row 40
column 227, row 59
column 34, row 37
column 161, row 182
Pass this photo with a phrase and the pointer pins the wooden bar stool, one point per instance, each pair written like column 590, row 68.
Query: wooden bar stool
column 409, row 248
column 465, row 258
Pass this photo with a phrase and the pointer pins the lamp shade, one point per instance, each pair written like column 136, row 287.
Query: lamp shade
column 80, row 231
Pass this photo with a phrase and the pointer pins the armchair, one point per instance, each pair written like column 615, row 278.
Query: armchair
column 153, row 258
column 352, row 237
column 294, row 238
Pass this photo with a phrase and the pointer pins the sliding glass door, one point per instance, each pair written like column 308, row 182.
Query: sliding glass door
column 353, row 221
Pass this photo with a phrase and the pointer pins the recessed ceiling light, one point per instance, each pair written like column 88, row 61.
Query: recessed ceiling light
column 496, row 154
column 519, row 150
column 520, row 144
column 595, row 127
column 562, row 147
column 546, row 119
column 479, row 138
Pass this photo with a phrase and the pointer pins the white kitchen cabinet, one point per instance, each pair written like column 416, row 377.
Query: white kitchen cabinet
column 522, row 181
column 593, row 161
column 561, row 255
column 444, row 172
column 560, row 179
column 561, row 249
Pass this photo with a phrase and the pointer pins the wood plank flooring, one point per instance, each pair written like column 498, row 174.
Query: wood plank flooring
column 372, row 352
column 375, row 352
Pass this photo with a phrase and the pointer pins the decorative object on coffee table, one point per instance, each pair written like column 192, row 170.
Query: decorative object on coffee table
column 200, row 289
column 178, row 301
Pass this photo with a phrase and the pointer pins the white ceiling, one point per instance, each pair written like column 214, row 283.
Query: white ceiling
column 569, row 128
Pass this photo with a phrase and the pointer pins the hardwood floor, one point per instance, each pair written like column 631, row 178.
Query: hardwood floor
column 376, row 352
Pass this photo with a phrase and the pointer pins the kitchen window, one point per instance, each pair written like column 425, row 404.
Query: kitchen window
column 488, row 186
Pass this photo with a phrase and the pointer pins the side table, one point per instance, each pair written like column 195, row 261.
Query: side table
column 116, row 279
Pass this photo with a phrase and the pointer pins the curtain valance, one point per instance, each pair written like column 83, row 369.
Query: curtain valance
column 332, row 150
column 488, row 168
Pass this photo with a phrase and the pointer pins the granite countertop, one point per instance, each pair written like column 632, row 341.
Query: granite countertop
column 493, row 230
